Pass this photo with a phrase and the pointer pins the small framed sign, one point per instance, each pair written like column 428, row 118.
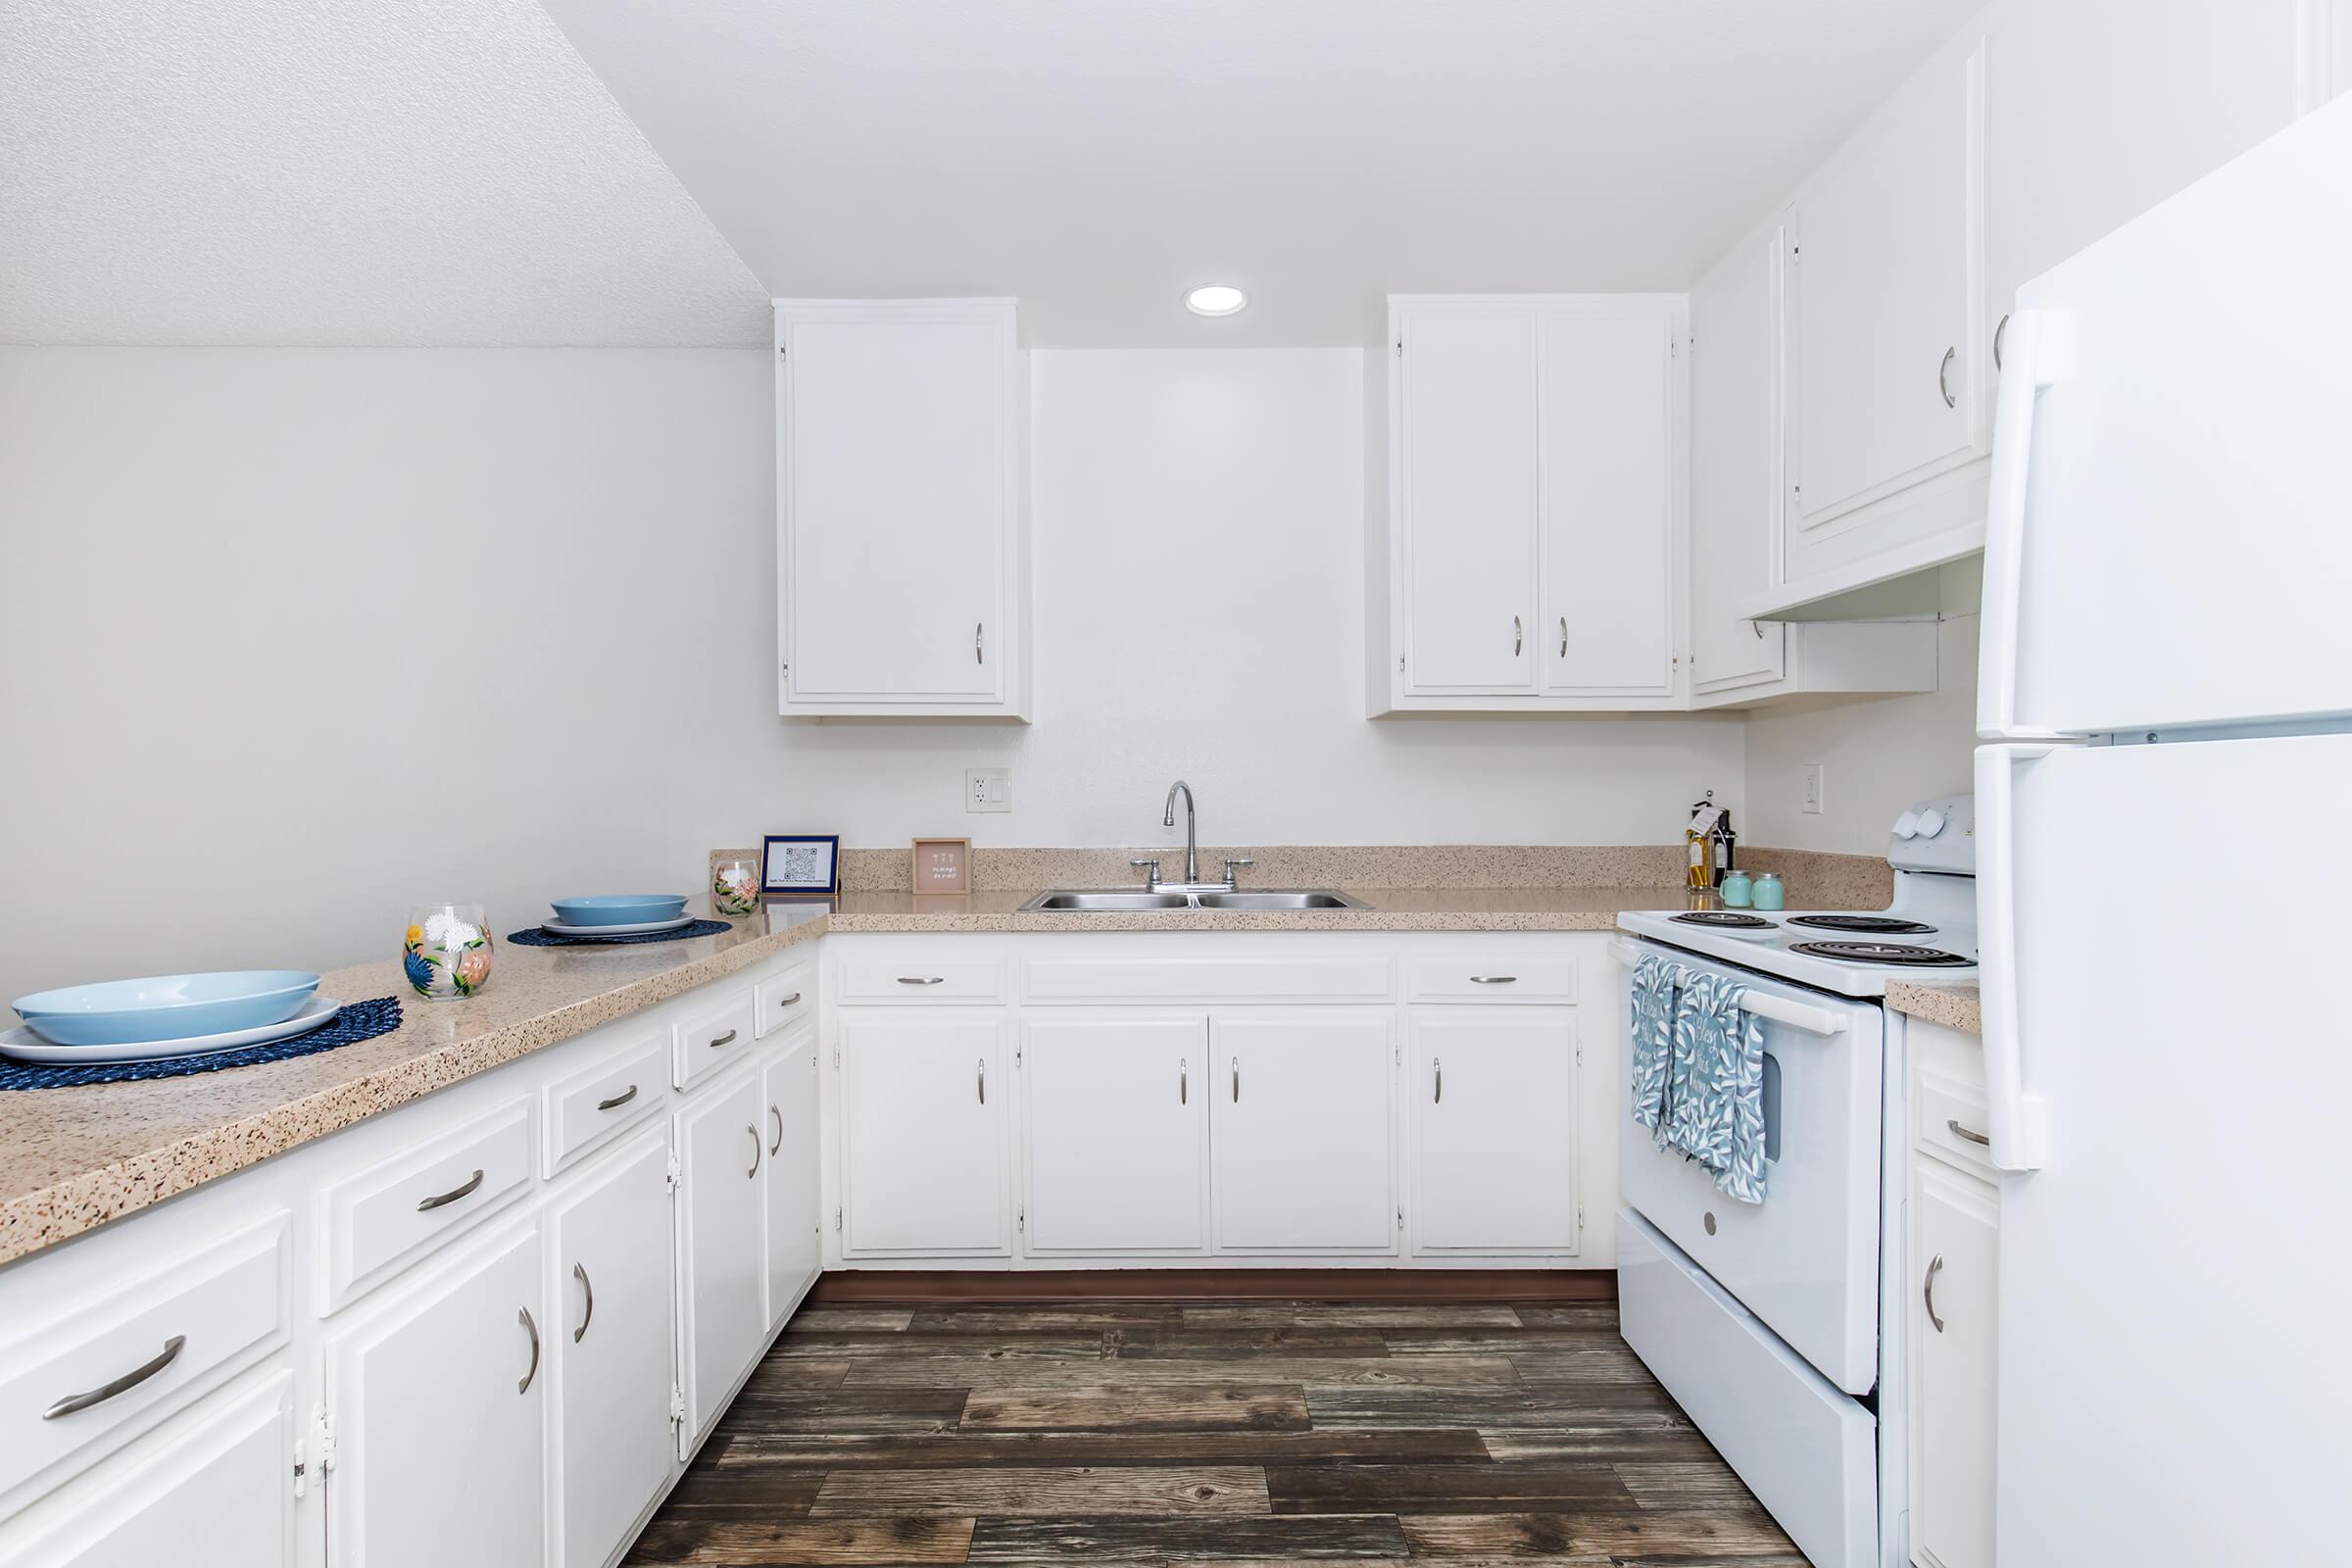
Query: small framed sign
column 801, row 864
column 942, row 865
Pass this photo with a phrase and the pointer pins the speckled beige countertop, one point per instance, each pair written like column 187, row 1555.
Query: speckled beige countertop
column 1954, row 1006
column 71, row 1159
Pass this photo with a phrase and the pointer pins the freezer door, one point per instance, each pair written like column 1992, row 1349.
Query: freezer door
column 2166, row 543
column 2173, row 1365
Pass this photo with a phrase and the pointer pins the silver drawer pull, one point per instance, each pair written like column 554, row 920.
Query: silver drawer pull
column 581, row 1272
column 1943, row 378
column 983, row 1080
column 1237, row 1080
column 425, row 1205
column 522, row 1315
column 1494, row 979
column 1184, row 1082
column 755, row 1132
column 787, row 1001
column 1517, row 640
column 726, row 1039
column 977, row 627
column 121, row 1385
column 1928, row 1291
column 776, row 1143
column 1437, row 1071
column 619, row 1100
column 921, row 979
column 1969, row 1133
column 1563, row 636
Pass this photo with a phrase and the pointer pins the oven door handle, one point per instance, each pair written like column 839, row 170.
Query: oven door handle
column 1780, row 1009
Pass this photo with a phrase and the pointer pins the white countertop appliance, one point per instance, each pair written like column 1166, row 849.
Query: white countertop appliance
column 1776, row 1325
column 2166, row 701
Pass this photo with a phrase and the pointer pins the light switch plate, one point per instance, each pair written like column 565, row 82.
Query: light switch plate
column 1813, row 785
column 988, row 789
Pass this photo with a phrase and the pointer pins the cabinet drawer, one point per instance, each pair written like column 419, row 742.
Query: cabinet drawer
column 382, row 1219
column 1494, row 977
column 785, row 998
column 104, row 1368
column 592, row 1105
column 1368, row 977
column 1947, row 1119
column 921, row 978
column 715, row 1034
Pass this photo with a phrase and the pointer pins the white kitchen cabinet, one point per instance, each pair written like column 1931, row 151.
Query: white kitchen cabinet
column 1304, row 1131
column 439, row 1397
column 1954, row 1256
column 722, row 1272
column 901, row 570
column 1533, row 556
column 788, row 1088
column 1117, row 1133
column 1495, row 1129
column 217, row 1476
column 924, row 1097
column 611, row 1345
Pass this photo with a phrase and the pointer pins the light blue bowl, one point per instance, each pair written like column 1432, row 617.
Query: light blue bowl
column 620, row 908
column 166, row 1007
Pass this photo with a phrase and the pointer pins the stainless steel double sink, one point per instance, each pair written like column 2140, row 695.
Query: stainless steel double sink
column 1108, row 901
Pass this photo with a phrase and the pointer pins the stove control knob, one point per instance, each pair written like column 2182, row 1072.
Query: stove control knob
column 1906, row 824
column 1931, row 824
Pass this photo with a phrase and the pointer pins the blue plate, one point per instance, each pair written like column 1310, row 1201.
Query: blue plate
column 620, row 908
column 166, row 1007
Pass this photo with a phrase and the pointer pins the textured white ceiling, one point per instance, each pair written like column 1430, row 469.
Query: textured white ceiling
column 1097, row 158
column 355, row 172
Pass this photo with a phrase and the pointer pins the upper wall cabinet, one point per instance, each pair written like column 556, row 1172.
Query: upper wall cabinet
column 901, row 547
column 1529, row 558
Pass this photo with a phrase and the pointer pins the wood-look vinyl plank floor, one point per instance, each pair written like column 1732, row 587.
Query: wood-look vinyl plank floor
column 1249, row 1435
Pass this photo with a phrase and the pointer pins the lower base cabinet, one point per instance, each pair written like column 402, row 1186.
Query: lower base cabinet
column 1304, row 1130
column 795, row 1250
column 722, row 1225
column 610, row 1255
column 924, row 1103
column 1954, row 1250
column 440, row 1392
column 1495, row 1117
column 1117, row 1134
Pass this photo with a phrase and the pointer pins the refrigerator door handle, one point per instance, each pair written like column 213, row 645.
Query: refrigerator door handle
column 2014, row 1120
column 2028, row 365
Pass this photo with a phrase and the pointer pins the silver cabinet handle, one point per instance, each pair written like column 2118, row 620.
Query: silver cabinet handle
column 619, row 1100
column 1237, row 1080
column 791, row 1001
column 425, row 1205
column 982, row 1080
column 726, row 1039
column 121, row 1385
column 1494, row 979
column 776, row 1143
column 755, row 1170
column 1969, row 1133
column 1998, row 333
column 977, row 656
column 1943, row 378
column 581, row 1272
column 1184, row 1081
column 1437, row 1071
column 1518, row 640
column 522, row 1315
column 1563, row 636
column 1927, row 1291
column 920, row 979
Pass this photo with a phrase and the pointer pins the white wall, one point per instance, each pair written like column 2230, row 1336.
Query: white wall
column 296, row 637
column 1199, row 584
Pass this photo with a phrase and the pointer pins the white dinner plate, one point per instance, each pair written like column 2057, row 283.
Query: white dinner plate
column 24, row 1046
column 559, row 929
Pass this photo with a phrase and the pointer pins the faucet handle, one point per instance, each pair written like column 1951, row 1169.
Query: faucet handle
column 1150, row 870
column 1233, row 862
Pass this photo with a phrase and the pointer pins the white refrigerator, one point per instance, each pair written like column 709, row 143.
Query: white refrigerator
column 2165, row 897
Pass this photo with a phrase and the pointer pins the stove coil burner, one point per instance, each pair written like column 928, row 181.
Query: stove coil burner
column 1725, row 919
column 1893, row 953
column 1877, row 925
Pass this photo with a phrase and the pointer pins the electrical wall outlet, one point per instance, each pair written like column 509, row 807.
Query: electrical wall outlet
column 1812, row 806
column 988, row 789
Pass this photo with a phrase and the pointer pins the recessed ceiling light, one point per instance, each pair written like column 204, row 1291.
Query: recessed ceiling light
column 1215, row 299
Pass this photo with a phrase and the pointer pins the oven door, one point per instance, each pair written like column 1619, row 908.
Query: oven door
column 1805, row 1262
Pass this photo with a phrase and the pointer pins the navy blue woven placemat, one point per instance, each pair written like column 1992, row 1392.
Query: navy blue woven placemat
column 536, row 938
column 358, row 1021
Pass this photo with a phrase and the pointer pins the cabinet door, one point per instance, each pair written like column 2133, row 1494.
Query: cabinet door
column 1886, row 268
column 216, row 1492
column 924, row 1096
column 1608, row 403
column 1954, row 1255
column 1467, row 497
column 789, row 1086
column 1118, row 1134
column 1304, row 1131
column 1495, row 1130
column 722, row 1232
column 613, row 1344
column 895, row 441
column 439, row 1404
column 1735, row 464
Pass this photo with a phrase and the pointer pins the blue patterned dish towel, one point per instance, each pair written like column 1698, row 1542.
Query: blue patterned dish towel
column 1698, row 1073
